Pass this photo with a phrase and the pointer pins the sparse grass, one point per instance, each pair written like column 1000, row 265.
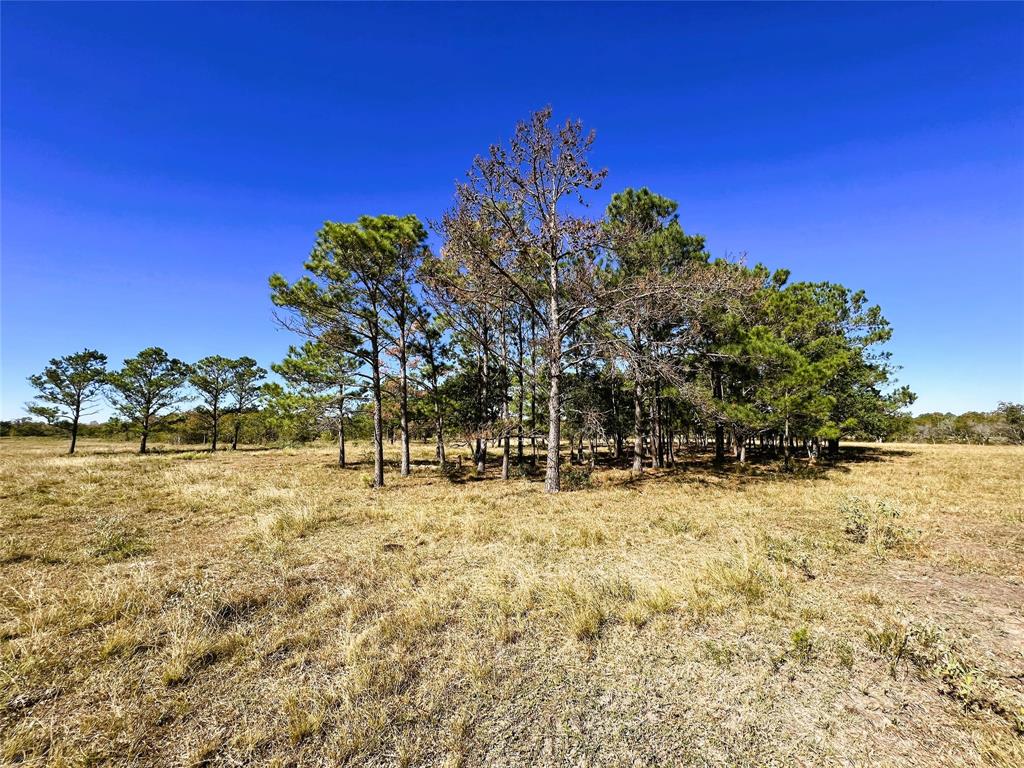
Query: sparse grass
column 191, row 653
column 116, row 538
column 263, row 608
column 305, row 716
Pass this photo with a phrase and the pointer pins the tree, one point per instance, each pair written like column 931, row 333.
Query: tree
column 433, row 352
column 513, row 222
column 146, row 387
column 648, row 280
column 346, row 293
column 1012, row 417
column 70, row 384
column 791, row 389
column 829, row 321
column 407, row 237
column 212, row 378
column 320, row 376
column 245, row 388
column 290, row 415
column 465, row 299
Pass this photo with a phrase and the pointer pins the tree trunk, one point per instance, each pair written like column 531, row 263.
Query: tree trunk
column 833, row 448
column 238, row 427
column 522, row 391
column 552, row 480
column 786, row 445
column 638, row 425
column 341, row 425
column 533, row 391
column 145, row 435
column 718, row 394
column 658, row 457
column 506, row 439
column 652, row 436
column 616, row 433
column 216, row 427
column 439, row 419
column 74, row 428
column 378, row 416
column 404, row 401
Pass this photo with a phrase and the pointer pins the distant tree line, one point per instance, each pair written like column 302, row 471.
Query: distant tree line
column 145, row 392
column 1003, row 426
column 537, row 325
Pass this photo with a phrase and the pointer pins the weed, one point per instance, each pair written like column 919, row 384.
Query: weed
column 305, row 716
column 115, row 538
column 574, row 478
column 875, row 524
column 718, row 652
column 802, row 645
column 844, row 653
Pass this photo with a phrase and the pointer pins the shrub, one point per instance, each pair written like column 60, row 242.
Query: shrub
column 857, row 519
column 452, row 472
column 521, row 472
column 875, row 524
column 575, row 478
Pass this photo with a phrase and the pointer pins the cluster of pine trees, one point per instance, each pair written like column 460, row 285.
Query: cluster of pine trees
column 536, row 321
column 537, row 317
column 146, row 391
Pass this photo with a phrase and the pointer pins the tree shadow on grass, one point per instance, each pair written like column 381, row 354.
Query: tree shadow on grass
column 699, row 468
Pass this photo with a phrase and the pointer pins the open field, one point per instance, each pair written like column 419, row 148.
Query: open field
column 266, row 607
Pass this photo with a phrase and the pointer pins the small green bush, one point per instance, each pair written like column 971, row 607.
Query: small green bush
column 520, row 472
column 452, row 472
column 803, row 645
column 876, row 524
column 575, row 478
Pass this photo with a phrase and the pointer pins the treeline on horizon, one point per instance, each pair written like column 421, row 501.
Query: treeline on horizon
column 1002, row 426
column 536, row 321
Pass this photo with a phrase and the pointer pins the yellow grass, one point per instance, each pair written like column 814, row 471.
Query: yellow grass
column 265, row 607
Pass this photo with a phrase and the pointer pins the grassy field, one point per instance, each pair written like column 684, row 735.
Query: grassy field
column 265, row 607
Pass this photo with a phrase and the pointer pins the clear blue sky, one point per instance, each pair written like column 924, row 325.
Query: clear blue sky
column 159, row 161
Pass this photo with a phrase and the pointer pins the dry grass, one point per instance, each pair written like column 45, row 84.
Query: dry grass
column 265, row 607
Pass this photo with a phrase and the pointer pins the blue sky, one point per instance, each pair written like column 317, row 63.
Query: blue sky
column 159, row 161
